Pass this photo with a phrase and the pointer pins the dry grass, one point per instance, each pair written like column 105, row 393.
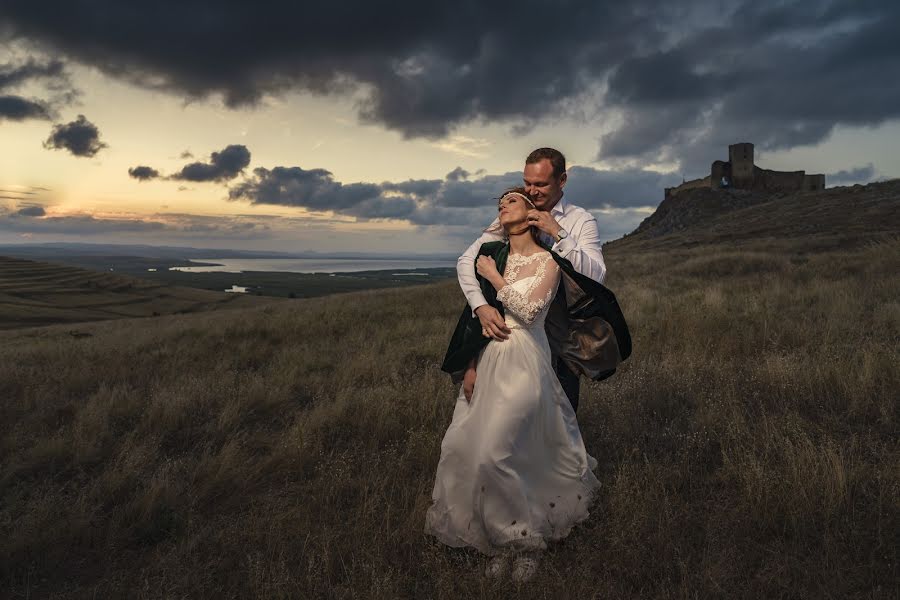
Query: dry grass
column 749, row 447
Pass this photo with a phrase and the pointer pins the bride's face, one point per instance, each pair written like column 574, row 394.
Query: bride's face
column 513, row 210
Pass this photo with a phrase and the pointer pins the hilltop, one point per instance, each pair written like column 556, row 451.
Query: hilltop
column 36, row 293
column 835, row 216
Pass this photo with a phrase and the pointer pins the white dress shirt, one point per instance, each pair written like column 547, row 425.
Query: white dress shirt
column 581, row 248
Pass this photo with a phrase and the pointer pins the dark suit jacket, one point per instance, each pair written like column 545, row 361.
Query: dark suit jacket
column 585, row 326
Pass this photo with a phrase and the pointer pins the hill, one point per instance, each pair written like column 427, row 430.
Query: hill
column 37, row 293
column 836, row 216
column 747, row 449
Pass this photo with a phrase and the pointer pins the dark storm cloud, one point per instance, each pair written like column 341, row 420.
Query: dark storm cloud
column 470, row 203
column 601, row 189
column 477, row 192
column 423, row 66
column 17, row 108
column 12, row 75
column 51, row 74
column 457, row 174
column 31, row 211
column 314, row 189
column 857, row 175
column 80, row 137
column 777, row 75
column 414, row 187
column 223, row 165
column 682, row 79
column 143, row 173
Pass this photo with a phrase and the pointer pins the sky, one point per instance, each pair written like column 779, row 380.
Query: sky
column 392, row 127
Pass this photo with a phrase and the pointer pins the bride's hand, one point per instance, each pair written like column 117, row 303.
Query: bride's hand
column 469, row 383
column 486, row 267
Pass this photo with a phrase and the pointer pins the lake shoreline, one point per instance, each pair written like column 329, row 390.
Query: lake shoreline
column 338, row 275
column 324, row 265
column 288, row 284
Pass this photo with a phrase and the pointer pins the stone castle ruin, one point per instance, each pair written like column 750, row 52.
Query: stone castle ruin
column 739, row 172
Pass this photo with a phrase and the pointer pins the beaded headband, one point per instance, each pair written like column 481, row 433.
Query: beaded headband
column 520, row 195
column 496, row 228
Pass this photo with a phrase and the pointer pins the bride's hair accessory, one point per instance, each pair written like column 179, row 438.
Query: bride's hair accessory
column 516, row 193
column 519, row 192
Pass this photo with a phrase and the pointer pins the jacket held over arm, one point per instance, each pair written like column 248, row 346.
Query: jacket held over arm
column 585, row 326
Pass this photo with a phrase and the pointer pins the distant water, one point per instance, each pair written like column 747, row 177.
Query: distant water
column 314, row 265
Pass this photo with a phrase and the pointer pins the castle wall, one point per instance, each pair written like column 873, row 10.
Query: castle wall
column 739, row 172
column 742, row 169
column 778, row 181
column 813, row 183
column 688, row 185
column 719, row 170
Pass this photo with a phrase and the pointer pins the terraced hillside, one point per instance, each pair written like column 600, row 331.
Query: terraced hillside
column 38, row 293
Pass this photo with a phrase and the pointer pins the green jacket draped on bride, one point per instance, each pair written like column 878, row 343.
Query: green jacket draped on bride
column 585, row 326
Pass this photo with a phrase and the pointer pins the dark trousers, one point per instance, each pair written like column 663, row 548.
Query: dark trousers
column 568, row 380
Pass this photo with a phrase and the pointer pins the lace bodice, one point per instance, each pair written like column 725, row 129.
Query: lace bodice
column 531, row 282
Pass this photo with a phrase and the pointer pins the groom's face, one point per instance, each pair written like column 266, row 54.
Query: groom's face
column 542, row 186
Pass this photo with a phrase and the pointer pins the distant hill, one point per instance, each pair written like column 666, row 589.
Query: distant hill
column 837, row 216
column 38, row 293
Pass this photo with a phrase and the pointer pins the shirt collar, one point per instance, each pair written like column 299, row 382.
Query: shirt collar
column 560, row 208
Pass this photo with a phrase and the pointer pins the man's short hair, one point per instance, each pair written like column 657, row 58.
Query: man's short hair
column 556, row 158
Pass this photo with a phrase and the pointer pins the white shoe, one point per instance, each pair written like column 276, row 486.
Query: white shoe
column 497, row 567
column 525, row 567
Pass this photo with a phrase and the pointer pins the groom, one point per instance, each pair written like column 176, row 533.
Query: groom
column 568, row 230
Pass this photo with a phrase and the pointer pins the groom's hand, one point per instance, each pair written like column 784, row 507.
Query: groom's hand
column 543, row 221
column 492, row 323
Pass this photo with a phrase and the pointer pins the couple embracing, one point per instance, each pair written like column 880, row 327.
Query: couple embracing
column 514, row 472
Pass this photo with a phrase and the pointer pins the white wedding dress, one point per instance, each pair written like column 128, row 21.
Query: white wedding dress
column 513, row 471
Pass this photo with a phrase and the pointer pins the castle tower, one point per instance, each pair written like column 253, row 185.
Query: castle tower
column 741, row 158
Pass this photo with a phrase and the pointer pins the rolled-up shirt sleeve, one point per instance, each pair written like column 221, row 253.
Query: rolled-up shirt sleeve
column 465, row 271
column 582, row 248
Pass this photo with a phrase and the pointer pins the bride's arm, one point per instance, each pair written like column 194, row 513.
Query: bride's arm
column 465, row 269
column 526, row 306
column 487, row 268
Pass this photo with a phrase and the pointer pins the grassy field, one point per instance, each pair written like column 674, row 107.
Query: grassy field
column 39, row 293
column 749, row 448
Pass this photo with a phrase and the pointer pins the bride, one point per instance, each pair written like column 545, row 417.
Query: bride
column 513, row 472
